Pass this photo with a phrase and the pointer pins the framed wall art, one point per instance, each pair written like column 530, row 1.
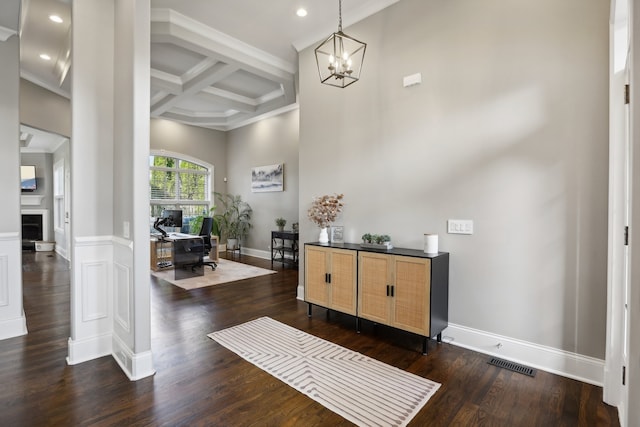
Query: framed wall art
column 267, row 178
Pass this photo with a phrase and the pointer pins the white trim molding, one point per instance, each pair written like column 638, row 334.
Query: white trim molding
column 31, row 199
column 83, row 350
column 571, row 365
column 135, row 365
column 13, row 327
column 13, row 322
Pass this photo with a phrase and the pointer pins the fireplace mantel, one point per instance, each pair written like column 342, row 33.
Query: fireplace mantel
column 31, row 199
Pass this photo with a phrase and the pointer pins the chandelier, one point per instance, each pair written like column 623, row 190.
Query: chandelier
column 340, row 57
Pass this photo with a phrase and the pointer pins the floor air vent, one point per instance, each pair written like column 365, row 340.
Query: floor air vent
column 515, row 367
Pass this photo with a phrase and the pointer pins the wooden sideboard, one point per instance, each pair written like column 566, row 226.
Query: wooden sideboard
column 403, row 288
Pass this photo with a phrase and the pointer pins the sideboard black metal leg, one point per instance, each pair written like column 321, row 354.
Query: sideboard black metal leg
column 357, row 324
column 308, row 309
column 440, row 337
column 424, row 345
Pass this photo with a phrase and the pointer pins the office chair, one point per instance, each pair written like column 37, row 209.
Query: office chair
column 205, row 233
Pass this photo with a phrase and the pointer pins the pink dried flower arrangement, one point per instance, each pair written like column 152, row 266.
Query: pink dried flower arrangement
column 325, row 209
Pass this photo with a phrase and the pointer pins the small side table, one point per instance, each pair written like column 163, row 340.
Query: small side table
column 284, row 247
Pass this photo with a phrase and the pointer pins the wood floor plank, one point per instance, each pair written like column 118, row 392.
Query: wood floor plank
column 200, row 383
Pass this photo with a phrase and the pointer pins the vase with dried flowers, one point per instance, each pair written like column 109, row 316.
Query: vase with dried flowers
column 323, row 211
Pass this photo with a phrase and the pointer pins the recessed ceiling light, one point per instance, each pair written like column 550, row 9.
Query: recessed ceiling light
column 301, row 12
column 56, row 19
column 45, row 57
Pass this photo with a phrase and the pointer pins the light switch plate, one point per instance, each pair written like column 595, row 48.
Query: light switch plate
column 460, row 226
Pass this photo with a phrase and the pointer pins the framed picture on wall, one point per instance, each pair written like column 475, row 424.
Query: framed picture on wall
column 267, row 178
column 337, row 234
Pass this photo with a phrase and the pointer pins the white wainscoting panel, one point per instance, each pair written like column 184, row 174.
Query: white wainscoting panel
column 12, row 319
column 4, row 280
column 122, row 287
column 91, row 299
column 95, row 298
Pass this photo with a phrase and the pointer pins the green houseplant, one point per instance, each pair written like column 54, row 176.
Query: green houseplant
column 234, row 221
column 280, row 223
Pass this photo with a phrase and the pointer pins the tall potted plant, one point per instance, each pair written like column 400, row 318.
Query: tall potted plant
column 234, row 222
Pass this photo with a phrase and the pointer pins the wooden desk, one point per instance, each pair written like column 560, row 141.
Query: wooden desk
column 180, row 252
column 214, row 253
column 161, row 254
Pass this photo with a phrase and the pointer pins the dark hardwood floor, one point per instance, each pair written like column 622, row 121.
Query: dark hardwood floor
column 200, row 383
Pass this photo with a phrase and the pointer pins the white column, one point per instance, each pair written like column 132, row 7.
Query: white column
column 110, row 300
column 12, row 318
column 91, row 180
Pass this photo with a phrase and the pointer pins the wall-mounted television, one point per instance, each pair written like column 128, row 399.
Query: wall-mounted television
column 28, row 178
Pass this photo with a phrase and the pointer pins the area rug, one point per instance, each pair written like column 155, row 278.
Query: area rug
column 227, row 271
column 365, row 391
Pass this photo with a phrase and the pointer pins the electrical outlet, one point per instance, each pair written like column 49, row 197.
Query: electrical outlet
column 460, row 226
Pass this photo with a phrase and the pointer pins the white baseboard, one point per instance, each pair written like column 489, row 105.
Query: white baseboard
column 256, row 253
column 135, row 365
column 89, row 348
column 571, row 365
column 300, row 293
column 13, row 327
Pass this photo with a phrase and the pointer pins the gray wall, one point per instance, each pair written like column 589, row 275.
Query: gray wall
column 509, row 129
column 9, row 133
column 205, row 144
column 271, row 141
column 43, row 109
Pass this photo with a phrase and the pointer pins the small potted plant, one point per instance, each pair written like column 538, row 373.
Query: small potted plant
column 281, row 222
column 376, row 241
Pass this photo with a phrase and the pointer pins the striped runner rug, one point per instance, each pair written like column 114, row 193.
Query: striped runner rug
column 363, row 390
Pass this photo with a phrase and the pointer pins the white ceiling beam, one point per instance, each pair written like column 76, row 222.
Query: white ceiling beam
column 166, row 82
column 205, row 77
column 196, row 37
column 224, row 56
column 208, row 77
column 164, row 104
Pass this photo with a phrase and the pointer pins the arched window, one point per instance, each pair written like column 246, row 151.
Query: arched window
column 178, row 182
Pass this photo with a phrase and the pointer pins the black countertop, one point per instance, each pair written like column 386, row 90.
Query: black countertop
column 395, row 251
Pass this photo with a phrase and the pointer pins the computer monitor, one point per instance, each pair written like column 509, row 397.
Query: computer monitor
column 169, row 218
column 172, row 218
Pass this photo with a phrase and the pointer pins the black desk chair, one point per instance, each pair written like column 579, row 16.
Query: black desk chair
column 205, row 233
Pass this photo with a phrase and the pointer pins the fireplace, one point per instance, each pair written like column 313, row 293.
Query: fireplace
column 34, row 227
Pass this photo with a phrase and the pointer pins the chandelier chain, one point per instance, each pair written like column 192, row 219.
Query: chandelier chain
column 340, row 15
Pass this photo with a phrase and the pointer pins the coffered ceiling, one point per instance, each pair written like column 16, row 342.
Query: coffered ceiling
column 217, row 64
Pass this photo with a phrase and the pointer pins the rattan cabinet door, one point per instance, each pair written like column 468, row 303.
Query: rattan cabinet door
column 374, row 281
column 411, row 294
column 316, row 288
column 342, row 286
